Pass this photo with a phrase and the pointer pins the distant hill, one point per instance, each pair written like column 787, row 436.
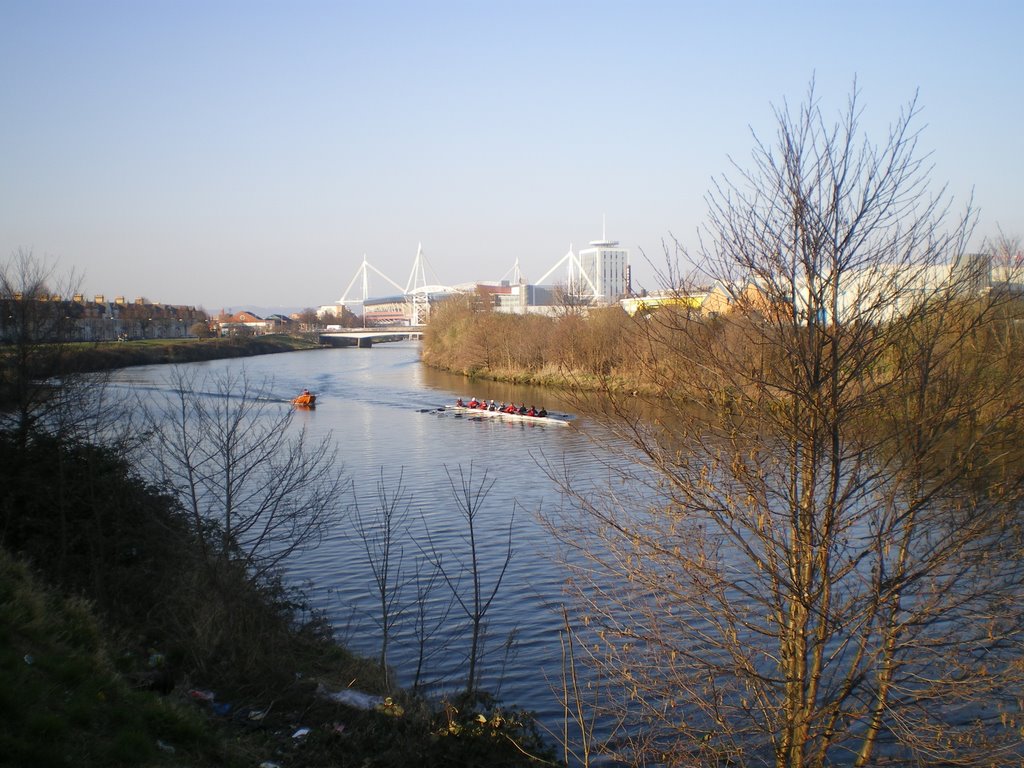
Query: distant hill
column 257, row 310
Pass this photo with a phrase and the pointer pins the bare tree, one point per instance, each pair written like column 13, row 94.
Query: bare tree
column 580, row 699
column 573, row 297
column 201, row 330
column 308, row 320
column 820, row 561
column 35, row 323
column 404, row 589
column 474, row 601
column 382, row 534
column 428, row 618
column 225, row 445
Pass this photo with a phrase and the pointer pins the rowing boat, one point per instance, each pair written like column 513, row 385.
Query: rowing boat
column 551, row 418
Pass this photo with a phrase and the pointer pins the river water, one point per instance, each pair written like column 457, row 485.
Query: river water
column 380, row 405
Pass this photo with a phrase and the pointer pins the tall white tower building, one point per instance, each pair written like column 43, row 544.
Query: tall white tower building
column 604, row 266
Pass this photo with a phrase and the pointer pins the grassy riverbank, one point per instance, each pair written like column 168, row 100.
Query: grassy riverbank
column 135, row 633
column 125, row 640
column 121, row 354
column 592, row 353
column 24, row 367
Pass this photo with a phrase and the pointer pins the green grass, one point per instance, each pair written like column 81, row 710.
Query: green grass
column 82, row 357
column 77, row 676
column 62, row 703
column 113, row 354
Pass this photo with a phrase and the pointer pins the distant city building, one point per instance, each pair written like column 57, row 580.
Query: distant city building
column 596, row 276
column 700, row 301
column 389, row 310
column 329, row 312
column 401, row 309
column 251, row 323
column 879, row 293
column 512, row 299
column 100, row 320
column 604, row 268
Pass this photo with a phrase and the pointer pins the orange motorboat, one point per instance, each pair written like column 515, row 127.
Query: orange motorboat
column 306, row 400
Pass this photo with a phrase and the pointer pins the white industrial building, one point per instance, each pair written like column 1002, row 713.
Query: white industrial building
column 604, row 269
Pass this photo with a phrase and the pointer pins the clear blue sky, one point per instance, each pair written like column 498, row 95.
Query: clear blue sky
column 230, row 154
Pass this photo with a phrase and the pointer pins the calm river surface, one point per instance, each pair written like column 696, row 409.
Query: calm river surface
column 380, row 406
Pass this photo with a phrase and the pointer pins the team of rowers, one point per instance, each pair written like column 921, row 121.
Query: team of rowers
column 483, row 405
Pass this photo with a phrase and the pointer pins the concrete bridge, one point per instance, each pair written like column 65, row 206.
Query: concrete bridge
column 367, row 337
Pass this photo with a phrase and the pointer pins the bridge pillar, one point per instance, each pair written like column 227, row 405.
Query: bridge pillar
column 365, row 343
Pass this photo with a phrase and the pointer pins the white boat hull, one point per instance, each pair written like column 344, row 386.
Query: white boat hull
column 549, row 419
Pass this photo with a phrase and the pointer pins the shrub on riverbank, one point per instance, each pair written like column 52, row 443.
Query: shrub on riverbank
column 591, row 352
column 139, row 644
column 63, row 702
column 110, row 355
column 23, row 367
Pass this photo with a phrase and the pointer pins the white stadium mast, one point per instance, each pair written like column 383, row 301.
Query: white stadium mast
column 416, row 291
column 419, row 290
column 363, row 272
column 577, row 275
column 415, row 287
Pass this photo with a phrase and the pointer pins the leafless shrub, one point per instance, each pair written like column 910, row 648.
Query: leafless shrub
column 819, row 561
column 225, row 446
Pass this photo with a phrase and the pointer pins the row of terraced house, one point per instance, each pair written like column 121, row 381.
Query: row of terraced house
column 52, row 317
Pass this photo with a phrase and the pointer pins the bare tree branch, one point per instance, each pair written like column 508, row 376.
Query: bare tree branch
column 820, row 559
column 226, row 447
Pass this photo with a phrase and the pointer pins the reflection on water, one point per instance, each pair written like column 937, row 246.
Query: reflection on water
column 381, row 406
